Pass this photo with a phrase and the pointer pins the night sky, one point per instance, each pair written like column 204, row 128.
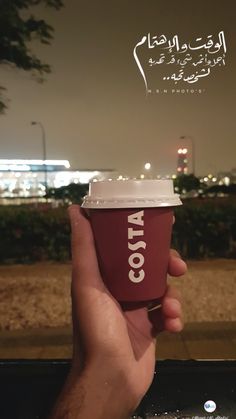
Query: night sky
column 94, row 107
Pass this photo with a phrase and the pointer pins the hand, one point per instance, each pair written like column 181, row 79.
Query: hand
column 113, row 350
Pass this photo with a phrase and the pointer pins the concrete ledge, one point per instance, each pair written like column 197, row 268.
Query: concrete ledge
column 207, row 340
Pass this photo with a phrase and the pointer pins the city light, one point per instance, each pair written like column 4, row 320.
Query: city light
column 14, row 167
column 182, row 151
column 86, row 176
column 25, row 177
column 12, row 164
column 147, row 166
column 182, row 161
column 226, row 180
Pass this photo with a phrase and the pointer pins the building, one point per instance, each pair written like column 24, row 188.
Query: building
column 182, row 161
column 30, row 178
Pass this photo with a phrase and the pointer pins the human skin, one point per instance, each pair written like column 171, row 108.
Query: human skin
column 113, row 350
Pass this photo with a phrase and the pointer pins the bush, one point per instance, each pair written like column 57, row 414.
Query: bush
column 203, row 229
column 29, row 235
column 70, row 193
column 206, row 230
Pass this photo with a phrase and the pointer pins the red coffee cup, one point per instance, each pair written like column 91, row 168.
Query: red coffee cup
column 132, row 224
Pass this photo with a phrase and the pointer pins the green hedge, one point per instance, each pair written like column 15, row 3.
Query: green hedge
column 28, row 235
column 205, row 229
column 202, row 230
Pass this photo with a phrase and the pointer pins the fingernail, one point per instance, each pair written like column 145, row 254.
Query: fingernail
column 179, row 325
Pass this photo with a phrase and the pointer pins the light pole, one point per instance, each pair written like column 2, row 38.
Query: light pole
column 147, row 168
column 44, row 151
column 186, row 137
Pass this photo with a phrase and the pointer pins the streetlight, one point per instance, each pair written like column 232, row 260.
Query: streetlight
column 146, row 174
column 147, row 166
column 183, row 137
column 44, row 151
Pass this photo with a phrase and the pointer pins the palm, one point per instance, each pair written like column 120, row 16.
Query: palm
column 143, row 344
column 121, row 340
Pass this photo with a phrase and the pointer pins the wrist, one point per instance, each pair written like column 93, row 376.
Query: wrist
column 108, row 391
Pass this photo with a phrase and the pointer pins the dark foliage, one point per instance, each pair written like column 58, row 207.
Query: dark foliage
column 215, row 189
column 16, row 33
column 29, row 235
column 187, row 183
column 203, row 229
column 72, row 193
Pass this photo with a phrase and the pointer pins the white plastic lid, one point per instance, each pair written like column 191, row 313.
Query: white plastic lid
column 131, row 194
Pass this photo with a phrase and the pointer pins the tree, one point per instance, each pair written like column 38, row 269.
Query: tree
column 228, row 190
column 71, row 193
column 16, row 33
column 187, row 183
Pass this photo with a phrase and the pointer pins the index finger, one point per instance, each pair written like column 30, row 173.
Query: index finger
column 83, row 251
column 176, row 266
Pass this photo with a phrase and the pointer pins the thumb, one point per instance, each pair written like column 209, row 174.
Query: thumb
column 84, row 258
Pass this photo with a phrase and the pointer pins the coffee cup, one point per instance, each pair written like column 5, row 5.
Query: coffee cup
column 132, row 224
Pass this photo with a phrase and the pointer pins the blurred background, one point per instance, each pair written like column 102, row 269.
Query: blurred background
column 74, row 108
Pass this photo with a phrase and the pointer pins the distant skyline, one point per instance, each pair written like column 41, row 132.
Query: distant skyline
column 93, row 106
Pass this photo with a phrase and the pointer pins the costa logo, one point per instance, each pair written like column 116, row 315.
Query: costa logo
column 136, row 259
